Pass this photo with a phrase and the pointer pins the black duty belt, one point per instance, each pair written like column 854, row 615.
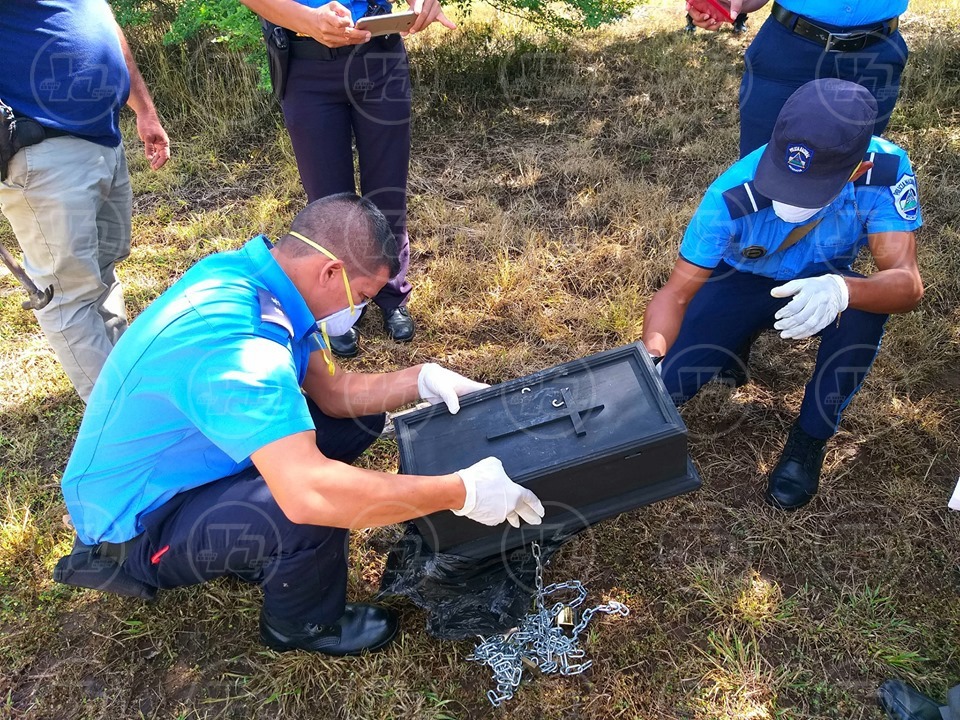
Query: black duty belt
column 53, row 132
column 848, row 40
column 307, row 48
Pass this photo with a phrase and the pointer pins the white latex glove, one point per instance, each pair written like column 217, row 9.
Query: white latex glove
column 816, row 303
column 437, row 384
column 493, row 497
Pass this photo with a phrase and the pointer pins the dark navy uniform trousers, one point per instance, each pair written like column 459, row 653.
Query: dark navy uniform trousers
column 779, row 61
column 234, row 527
column 731, row 307
column 363, row 96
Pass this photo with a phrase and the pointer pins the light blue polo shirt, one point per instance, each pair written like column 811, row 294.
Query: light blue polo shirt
column 204, row 377
column 358, row 8
column 847, row 13
column 713, row 235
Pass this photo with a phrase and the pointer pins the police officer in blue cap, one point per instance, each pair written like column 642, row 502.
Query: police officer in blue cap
column 855, row 40
column 772, row 245
column 219, row 436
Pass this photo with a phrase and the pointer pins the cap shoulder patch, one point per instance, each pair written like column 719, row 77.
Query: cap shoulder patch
column 744, row 200
column 884, row 170
column 272, row 312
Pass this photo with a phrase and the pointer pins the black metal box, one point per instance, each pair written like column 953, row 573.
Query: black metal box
column 592, row 438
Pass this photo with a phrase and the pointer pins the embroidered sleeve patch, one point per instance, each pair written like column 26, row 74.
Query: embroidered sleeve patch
column 905, row 197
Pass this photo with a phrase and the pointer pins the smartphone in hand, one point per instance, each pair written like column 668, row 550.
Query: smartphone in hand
column 387, row 24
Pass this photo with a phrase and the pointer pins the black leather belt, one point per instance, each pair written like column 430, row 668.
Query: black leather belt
column 53, row 132
column 309, row 49
column 849, row 40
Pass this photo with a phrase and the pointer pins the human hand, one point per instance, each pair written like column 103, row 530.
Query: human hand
column 333, row 26
column 156, row 144
column 428, row 11
column 706, row 14
column 437, row 384
column 493, row 497
column 816, row 303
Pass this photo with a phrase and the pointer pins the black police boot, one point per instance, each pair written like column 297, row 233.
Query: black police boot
column 902, row 702
column 362, row 627
column 796, row 478
column 740, row 24
column 690, row 26
column 398, row 324
column 346, row 345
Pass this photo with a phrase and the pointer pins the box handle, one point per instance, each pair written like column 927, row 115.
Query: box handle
column 575, row 415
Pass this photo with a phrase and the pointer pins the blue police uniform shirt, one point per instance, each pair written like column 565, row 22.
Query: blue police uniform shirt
column 358, row 8
column 713, row 236
column 65, row 68
column 206, row 375
column 846, row 13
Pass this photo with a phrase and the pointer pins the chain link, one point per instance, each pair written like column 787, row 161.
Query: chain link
column 538, row 642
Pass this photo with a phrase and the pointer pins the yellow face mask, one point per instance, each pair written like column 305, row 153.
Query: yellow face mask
column 341, row 321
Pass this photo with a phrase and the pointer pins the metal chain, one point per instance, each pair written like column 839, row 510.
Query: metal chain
column 539, row 643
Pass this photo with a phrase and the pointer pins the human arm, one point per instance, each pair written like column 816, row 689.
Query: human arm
column 354, row 394
column 315, row 490
column 428, row 11
column 665, row 311
column 156, row 144
column 330, row 24
column 896, row 287
column 312, row 489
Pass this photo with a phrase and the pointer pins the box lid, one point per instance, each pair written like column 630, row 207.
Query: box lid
column 562, row 416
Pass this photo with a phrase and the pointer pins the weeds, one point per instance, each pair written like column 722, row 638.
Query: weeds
column 551, row 181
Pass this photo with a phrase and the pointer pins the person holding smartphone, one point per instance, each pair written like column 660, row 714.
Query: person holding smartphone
column 343, row 86
column 804, row 40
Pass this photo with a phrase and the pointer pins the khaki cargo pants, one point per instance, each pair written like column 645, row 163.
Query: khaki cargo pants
column 69, row 204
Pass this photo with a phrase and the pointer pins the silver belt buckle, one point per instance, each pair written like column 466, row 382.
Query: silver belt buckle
column 833, row 38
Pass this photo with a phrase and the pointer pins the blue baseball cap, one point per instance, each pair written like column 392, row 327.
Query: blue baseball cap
column 821, row 135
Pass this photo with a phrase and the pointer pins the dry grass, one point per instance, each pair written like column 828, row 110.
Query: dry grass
column 551, row 181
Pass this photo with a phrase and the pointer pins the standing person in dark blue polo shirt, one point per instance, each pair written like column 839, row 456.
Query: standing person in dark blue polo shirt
column 343, row 86
column 772, row 245
column 68, row 198
column 855, row 40
column 218, row 438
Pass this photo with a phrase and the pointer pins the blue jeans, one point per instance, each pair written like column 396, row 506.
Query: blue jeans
column 779, row 61
column 731, row 307
column 233, row 526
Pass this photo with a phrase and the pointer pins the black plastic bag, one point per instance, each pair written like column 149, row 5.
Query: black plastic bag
column 464, row 597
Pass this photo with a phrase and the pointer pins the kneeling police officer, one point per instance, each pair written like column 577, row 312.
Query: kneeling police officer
column 219, row 436
column 772, row 245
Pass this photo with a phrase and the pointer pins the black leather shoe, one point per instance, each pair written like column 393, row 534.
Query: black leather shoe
column 398, row 324
column 362, row 627
column 346, row 345
column 690, row 27
column 740, row 25
column 796, row 478
column 902, row 702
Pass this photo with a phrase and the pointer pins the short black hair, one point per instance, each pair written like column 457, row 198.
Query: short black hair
column 349, row 226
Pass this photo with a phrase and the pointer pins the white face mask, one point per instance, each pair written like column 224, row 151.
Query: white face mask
column 340, row 322
column 792, row 213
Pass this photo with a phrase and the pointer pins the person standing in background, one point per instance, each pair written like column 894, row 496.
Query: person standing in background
column 803, row 40
column 68, row 197
column 342, row 86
